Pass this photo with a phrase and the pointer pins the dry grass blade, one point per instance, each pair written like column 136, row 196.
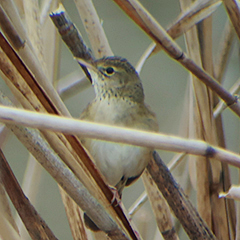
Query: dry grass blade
column 30, row 186
column 34, row 30
column 5, row 208
column 51, row 44
column 6, row 229
column 160, row 208
column 176, row 160
column 223, row 52
column 138, row 203
column 200, row 120
column 219, row 207
column 45, row 9
column 15, row 19
column 232, row 7
column 144, row 19
column 33, row 222
column 144, row 57
column 204, row 128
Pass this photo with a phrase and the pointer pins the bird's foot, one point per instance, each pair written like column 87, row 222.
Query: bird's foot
column 116, row 197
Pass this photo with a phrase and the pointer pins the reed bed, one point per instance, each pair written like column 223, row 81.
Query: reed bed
column 186, row 54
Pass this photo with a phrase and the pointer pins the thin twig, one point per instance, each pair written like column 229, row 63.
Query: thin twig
column 72, row 85
column 137, row 204
column 221, row 105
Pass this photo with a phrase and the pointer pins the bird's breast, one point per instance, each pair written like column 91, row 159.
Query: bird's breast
column 116, row 160
column 119, row 161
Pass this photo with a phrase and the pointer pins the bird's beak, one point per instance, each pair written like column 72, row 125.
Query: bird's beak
column 88, row 65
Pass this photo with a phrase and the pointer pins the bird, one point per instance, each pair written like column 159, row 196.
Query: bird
column 119, row 101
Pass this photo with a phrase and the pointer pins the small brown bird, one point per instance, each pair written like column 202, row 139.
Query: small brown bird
column 119, row 101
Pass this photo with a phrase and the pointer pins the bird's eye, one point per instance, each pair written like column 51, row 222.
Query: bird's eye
column 109, row 70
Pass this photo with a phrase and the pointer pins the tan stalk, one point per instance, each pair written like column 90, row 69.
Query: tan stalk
column 223, row 52
column 34, row 30
column 232, row 7
column 5, row 208
column 200, row 118
column 36, row 226
column 7, row 231
column 72, row 85
column 221, row 105
column 189, row 17
column 219, row 208
column 51, row 43
column 160, row 208
column 30, row 186
column 94, row 29
column 33, row 170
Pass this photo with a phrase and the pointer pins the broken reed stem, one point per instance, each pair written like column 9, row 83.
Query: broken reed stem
column 35, row 225
column 71, row 36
